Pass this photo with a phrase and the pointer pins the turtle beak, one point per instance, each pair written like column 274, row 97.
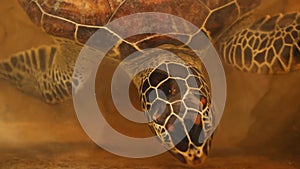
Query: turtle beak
column 192, row 157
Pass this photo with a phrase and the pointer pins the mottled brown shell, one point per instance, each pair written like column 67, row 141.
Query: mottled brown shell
column 73, row 19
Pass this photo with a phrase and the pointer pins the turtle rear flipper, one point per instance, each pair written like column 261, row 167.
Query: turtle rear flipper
column 45, row 71
column 270, row 45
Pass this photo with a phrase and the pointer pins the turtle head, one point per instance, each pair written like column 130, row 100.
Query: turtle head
column 176, row 101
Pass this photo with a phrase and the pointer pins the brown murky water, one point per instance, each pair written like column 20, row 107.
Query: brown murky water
column 260, row 128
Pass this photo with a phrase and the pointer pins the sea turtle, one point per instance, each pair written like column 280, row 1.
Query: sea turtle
column 267, row 45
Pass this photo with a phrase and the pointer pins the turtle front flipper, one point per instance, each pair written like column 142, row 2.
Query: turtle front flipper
column 45, row 71
column 270, row 45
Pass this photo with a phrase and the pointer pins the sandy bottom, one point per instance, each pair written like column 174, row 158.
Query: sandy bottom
column 260, row 128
